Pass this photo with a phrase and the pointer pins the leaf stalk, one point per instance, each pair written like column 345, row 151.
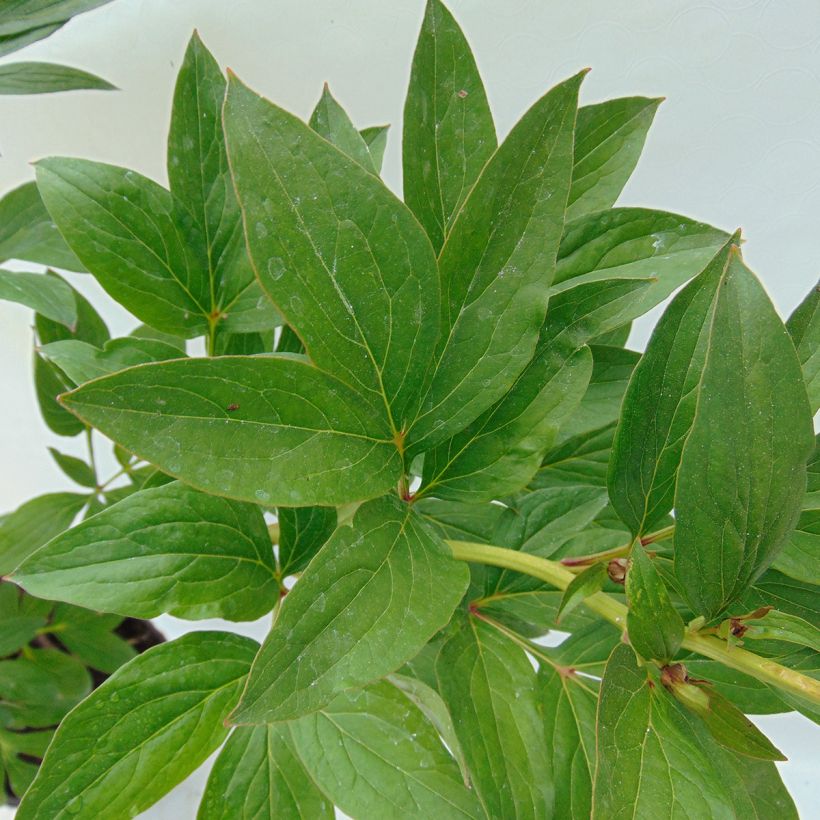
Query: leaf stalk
column 553, row 573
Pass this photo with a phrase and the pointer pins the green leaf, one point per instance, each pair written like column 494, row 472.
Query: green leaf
column 646, row 756
column 568, row 704
column 344, row 260
column 75, row 468
column 551, row 517
column 169, row 549
column 271, row 430
column 49, row 383
column 19, row 622
column 374, row 754
column 430, row 703
column 725, row 722
column 747, row 693
column 654, row 625
column 144, row 730
column 781, row 626
column 496, row 267
column 615, row 338
column 448, row 127
column 371, row 598
column 89, row 326
column 148, row 262
column 789, row 595
column 491, row 691
column 376, row 139
column 463, row 522
column 800, row 557
column 34, row 523
column 302, row 532
column 804, row 327
column 586, row 583
column 40, row 688
column 91, row 638
column 16, row 752
column 663, row 249
column 82, row 362
column 258, row 774
column 21, row 15
column 29, row 234
column 502, row 449
column 754, row 786
column 49, row 380
column 331, row 121
column 251, row 311
column 148, row 332
column 10, row 43
column 580, row 460
column 740, row 486
column 532, row 612
column 199, row 178
column 609, row 138
column 659, row 406
column 45, row 78
column 611, row 370
column 47, row 295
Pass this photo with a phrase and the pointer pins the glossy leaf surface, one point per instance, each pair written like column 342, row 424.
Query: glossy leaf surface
column 33, row 523
column 148, row 262
column 343, row 259
column 369, row 601
column 497, row 265
column 82, row 362
column 448, row 128
column 27, row 231
column 46, row 295
column 646, row 755
column 655, row 627
column 375, row 754
column 491, row 690
column 740, row 487
column 163, row 710
column 272, row 430
column 804, row 327
column 165, row 550
column 258, row 774
column 609, row 138
column 331, row 121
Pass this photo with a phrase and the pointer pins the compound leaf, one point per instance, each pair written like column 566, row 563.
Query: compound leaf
column 342, row 258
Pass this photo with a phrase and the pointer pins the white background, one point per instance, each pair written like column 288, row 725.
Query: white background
column 735, row 144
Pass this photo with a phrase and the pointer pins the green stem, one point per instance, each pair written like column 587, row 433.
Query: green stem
column 211, row 337
column 660, row 535
column 91, row 459
column 579, row 562
column 608, row 608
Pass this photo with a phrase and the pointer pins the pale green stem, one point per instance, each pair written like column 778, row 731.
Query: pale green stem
column 608, row 608
column 579, row 562
column 659, row 535
column 91, row 459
